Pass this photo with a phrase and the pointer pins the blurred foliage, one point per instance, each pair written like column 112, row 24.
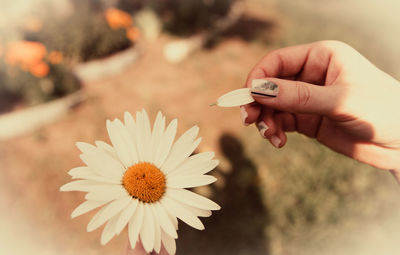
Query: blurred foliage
column 310, row 190
column 83, row 35
column 21, row 87
column 183, row 17
column 186, row 17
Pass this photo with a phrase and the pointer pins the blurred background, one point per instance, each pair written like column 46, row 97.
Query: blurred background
column 68, row 65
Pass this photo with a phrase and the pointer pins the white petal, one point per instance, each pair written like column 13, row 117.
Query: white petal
column 85, row 172
column 166, row 143
column 146, row 136
column 158, row 131
column 198, row 169
column 236, row 97
column 103, row 164
column 197, row 211
column 165, row 222
column 122, row 142
column 135, row 224
column 88, row 186
column 107, row 148
column 109, row 230
column 129, row 123
column 147, row 229
column 186, row 216
column 190, row 181
column 113, row 192
column 98, row 178
column 86, row 207
column 143, row 136
column 157, row 232
column 107, row 212
column 172, row 217
column 192, row 163
column 81, row 185
column 181, row 150
column 169, row 243
column 126, row 215
column 86, row 147
column 80, row 171
column 190, row 198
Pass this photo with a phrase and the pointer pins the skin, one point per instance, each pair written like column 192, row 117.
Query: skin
column 328, row 91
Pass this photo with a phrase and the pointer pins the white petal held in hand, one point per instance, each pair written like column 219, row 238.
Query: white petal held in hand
column 236, row 97
column 140, row 180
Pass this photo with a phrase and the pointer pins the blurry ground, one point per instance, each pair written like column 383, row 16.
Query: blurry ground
column 273, row 202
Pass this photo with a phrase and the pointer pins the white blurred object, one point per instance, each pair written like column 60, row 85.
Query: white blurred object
column 149, row 24
column 28, row 120
column 100, row 68
column 177, row 51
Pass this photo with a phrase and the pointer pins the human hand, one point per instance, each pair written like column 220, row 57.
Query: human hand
column 328, row 91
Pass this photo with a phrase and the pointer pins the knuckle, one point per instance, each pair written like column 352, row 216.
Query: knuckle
column 303, row 94
column 333, row 45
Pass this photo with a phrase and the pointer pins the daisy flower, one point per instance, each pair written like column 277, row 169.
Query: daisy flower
column 140, row 181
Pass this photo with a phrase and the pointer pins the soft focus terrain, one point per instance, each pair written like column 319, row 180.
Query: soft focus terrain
column 302, row 199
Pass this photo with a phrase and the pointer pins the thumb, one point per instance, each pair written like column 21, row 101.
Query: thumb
column 293, row 96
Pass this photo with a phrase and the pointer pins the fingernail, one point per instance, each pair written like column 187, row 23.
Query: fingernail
column 260, row 87
column 243, row 115
column 262, row 127
column 275, row 141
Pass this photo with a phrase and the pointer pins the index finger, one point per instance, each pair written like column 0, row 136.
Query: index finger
column 281, row 63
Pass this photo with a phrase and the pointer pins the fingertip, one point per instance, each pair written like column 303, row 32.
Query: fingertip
column 252, row 112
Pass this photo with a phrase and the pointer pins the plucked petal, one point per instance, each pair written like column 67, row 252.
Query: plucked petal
column 236, row 97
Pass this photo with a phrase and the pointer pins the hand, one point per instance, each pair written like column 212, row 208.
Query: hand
column 328, row 91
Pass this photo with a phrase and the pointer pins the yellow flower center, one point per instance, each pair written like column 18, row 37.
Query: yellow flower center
column 145, row 182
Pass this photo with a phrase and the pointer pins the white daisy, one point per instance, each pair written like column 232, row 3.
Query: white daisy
column 140, row 181
column 236, row 97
